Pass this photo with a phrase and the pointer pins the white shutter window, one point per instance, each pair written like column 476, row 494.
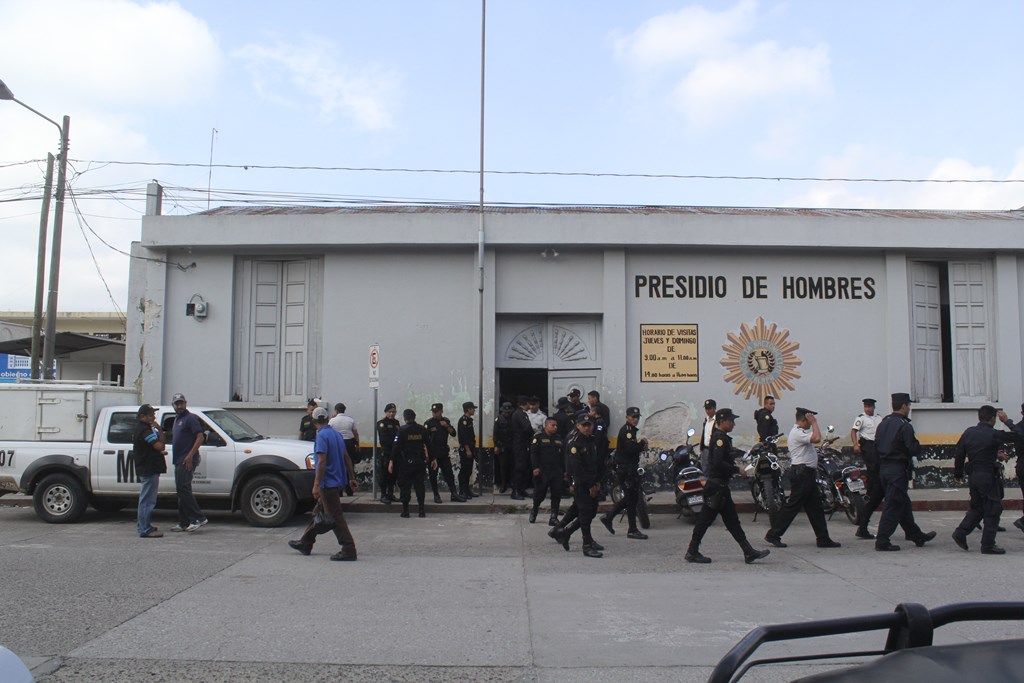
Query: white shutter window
column 969, row 314
column 927, row 331
column 275, row 326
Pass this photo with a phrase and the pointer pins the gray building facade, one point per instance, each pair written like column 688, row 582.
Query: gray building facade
column 258, row 309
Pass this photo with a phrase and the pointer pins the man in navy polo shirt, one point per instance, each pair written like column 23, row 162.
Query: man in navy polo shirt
column 187, row 438
column 333, row 472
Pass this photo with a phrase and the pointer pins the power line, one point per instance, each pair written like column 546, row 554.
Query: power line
column 582, row 174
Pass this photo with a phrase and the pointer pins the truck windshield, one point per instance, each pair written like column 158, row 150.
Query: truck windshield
column 233, row 425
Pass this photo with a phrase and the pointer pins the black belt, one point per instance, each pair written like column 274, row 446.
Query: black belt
column 800, row 468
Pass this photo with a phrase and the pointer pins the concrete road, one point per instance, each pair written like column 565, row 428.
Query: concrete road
column 482, row 597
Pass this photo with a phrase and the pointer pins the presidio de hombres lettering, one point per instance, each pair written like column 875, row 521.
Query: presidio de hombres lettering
column 826, row 287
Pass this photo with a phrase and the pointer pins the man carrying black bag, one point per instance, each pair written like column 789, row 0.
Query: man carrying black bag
column 333, row 472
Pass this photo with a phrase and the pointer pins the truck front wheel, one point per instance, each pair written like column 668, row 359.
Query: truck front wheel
column 59, row 499
column 267, row 500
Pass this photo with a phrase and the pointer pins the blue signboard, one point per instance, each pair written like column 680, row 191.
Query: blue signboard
column 14, row 367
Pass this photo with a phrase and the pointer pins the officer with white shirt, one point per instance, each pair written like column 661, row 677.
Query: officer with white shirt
column 863, row 437
column 710, row 408
column 804, row 482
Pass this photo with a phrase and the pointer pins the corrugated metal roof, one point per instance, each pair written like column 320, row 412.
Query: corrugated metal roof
column 1017, row 214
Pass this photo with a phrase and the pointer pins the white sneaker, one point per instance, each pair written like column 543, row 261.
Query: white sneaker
column 179, row 527
column 203, row 522
column 193, row 526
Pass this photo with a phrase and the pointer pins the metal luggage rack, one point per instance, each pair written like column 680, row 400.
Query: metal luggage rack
column 910, row 625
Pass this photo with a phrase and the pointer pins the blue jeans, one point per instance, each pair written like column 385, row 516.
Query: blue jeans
column 147, row 501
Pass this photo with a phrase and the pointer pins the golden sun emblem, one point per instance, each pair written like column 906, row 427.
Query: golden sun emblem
column 760, row 360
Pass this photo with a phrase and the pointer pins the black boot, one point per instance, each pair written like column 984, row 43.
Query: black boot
column 553, row 519
column 750, row 555
column 591, row 551
column 562, row 535
column 607, row 521
column 533, row 515
column 405, row 510
column 422, row 511
column 695, row 557
column 437, row 494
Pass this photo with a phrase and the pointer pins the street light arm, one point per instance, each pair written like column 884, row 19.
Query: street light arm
column 39, row 114
column 6, row 94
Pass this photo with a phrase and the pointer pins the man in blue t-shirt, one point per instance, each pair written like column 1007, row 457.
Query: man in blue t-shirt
column 333, row 472
column 186, row 439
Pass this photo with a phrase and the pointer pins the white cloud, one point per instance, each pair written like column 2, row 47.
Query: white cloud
column 718, row 87
column 109, row 51
column 716, row 71
column 97, row 61
column 860, row 161
column 690, row 33
column 367, row 95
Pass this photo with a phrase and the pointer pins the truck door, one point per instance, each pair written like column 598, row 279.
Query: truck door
column 217, row 470
column 114, row 467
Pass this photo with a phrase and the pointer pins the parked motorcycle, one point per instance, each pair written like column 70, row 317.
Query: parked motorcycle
column 765, row 474
column 687, row 479
column 839, row 486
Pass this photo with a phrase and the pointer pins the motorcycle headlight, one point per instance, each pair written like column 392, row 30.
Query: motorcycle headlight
column 663, row 457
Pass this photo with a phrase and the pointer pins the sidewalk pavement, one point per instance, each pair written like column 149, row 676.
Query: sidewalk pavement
column 662, row 502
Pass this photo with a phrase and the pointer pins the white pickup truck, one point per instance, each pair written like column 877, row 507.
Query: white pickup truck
column 71, row 445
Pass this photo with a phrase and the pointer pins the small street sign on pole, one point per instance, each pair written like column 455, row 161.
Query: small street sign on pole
column 375, row 366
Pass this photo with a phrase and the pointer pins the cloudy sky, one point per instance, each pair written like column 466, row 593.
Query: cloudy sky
column 843, row 89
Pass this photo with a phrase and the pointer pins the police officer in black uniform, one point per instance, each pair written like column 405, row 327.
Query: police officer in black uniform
column 979, row 445
column 626, row 460
column 765, row 422
column 503, row 455
column 575, row 403
column 387, row 432
column 1018, row 428
column 439, row 428
column 897, row 448
column 563, row 416
column 583, row 466
column 408, row 457
column 717, row 498
column 522, row 435
column 547, row 455
column 467, row 448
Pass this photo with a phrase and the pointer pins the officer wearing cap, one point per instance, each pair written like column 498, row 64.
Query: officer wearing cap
column 717, row 499
column 897, row 447
column 980, row 446
column 522, row 435
column 387, row 432
column 467, row 448
column 583, row 466
column 710, row 407
column 547, row 456
column 804, row 482
column 439, row 429
column 408, row 457
column 765, row 422
column 574, row 401
column 563, row 416
column 863, row 437
column 628, row 448
column 307, row 429
column 503, row 455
